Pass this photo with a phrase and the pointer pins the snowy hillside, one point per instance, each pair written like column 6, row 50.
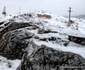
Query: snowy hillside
column 55, row 23
column 52, row 31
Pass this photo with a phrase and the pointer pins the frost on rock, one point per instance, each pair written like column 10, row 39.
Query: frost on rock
column 14, row 43
column 45, row 58
column 43, row 41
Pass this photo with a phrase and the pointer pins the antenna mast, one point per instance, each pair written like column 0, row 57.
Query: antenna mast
column 4, row 11
column 69, row 21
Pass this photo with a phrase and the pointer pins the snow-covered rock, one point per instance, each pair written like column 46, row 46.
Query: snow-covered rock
column 42, row 28
column 46, row 58
column 13, row 43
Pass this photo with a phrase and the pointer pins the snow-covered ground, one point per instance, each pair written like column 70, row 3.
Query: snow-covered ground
column 6, row 64
column 75, row 49
column 56, row 23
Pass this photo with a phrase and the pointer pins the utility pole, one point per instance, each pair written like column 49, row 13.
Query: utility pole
column 4, row 11
column 69, row 21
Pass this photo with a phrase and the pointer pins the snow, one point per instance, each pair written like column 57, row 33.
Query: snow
column 56, row 23
column 6, row 64
column 49, row 35
column 74, row 49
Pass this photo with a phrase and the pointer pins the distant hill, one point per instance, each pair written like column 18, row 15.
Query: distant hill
column 80, row 16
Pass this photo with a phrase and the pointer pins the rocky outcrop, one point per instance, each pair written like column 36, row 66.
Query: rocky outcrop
column 13, row 26
column 13, row 43
column 78, row 40
column 45, row 58
column 14, row 38
column 44, row 31
column 17, row 40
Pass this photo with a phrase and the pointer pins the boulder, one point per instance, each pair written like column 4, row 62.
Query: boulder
column 44, row 58
column 13, row 26
column 13, row 43
column 78, row 40
column 43, row 30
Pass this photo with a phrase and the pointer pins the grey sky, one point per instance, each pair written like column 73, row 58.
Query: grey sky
column 54, row 6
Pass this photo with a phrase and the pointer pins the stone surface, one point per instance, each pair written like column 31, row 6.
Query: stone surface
column 78, row 40
column 45, row 58
column 13, row 43
column 13, row 26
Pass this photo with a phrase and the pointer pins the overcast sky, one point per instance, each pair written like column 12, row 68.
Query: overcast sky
column 54, row 6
